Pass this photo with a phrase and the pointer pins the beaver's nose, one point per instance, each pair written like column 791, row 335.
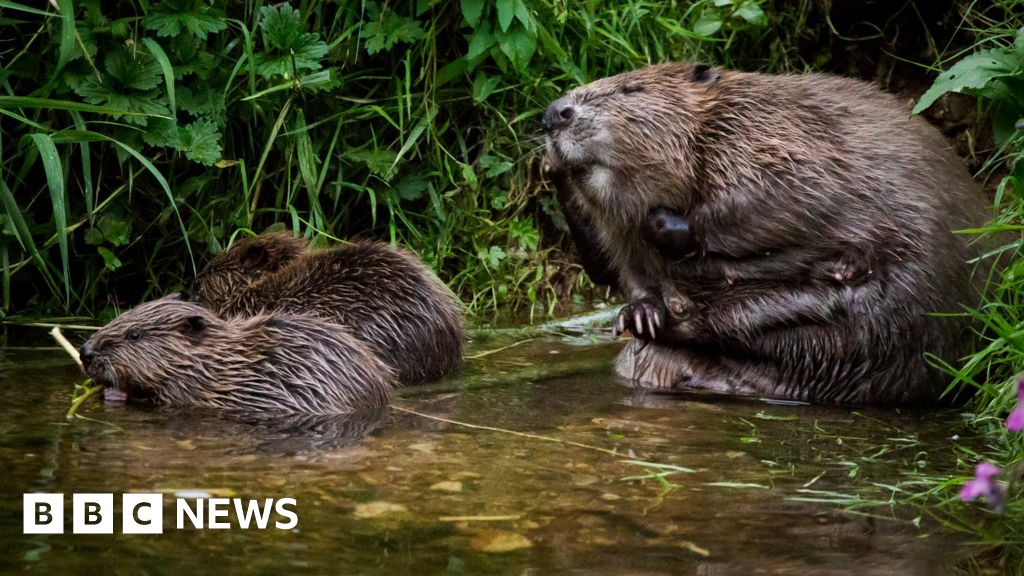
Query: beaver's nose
column 559, row 113
column 87, row 353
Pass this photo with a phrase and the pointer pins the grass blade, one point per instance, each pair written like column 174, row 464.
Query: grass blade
column 55, row 182
column 165, row 66
column 77, row 136
column 24, row 235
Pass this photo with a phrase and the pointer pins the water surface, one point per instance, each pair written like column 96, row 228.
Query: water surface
column 398, row 493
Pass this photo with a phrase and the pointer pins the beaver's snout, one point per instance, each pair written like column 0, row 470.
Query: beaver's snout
column 87, row 354
column 559, row 113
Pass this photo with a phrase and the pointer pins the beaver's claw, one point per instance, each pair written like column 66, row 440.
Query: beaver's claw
column 643, row 318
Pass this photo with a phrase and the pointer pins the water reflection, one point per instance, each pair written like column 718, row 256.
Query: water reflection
column 393, row 492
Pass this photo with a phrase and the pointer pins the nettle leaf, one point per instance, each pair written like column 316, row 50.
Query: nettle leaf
column 289, row 48
column 494, row 166
column 170, row 17
column 390, row 29
column 114, row 230
column 282, row 27
column 105, row 92
column 190, row 57
column 523, row 230
column 133, row 68
column 161, row 132
column 412, row 187
column 973, row 73
column 200, row 141
column 201, row 101
column 380, row 161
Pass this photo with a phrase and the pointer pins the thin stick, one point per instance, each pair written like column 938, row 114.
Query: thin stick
column 512, row 432
column 496, row 350
column 67, row 346
column 52, row 325
column 479, row 518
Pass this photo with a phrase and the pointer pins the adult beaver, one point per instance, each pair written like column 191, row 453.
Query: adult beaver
column 181, row 354
column 384, row 295
column 776, row 176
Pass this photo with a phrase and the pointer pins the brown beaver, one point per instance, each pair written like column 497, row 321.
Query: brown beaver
column 181, row 354
column 384, row 295
column 776, row 175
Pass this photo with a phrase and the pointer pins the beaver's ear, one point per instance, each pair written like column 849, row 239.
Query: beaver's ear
column 195, row 324
column 253, row 256
column 703, row 73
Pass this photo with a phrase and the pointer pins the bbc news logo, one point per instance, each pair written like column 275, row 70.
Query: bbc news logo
column 144, row 513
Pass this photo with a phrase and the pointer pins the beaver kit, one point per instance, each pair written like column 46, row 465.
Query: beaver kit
column 179, row 353
column 383, row 295
column 802, row 223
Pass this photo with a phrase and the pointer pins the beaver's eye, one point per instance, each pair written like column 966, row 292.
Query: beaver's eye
column 133, row 335
column 631, row 88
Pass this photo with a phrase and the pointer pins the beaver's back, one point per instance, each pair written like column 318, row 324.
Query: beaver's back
column 384, row 295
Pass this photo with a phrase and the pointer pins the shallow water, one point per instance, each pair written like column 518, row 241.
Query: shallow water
column 398, row 493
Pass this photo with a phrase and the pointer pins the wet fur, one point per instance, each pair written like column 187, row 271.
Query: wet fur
column 776, row 175
column 187, row 356
column 384, row 295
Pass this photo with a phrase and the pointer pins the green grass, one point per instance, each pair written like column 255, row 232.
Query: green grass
column 139, row 138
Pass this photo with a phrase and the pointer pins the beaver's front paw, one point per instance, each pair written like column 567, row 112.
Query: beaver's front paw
column 643, row 317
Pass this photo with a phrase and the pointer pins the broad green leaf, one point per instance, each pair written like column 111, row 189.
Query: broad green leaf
column 972, row 73
column 519, row 45
column 481, row 42
column 506, row 12
column 752, row 13
column 110, row 260
column 708, row 25
column 472, row 10
column 524, row 17
column 484, row 86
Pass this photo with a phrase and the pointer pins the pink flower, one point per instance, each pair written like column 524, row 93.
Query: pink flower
column 1015, row 422
column 985, row 484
